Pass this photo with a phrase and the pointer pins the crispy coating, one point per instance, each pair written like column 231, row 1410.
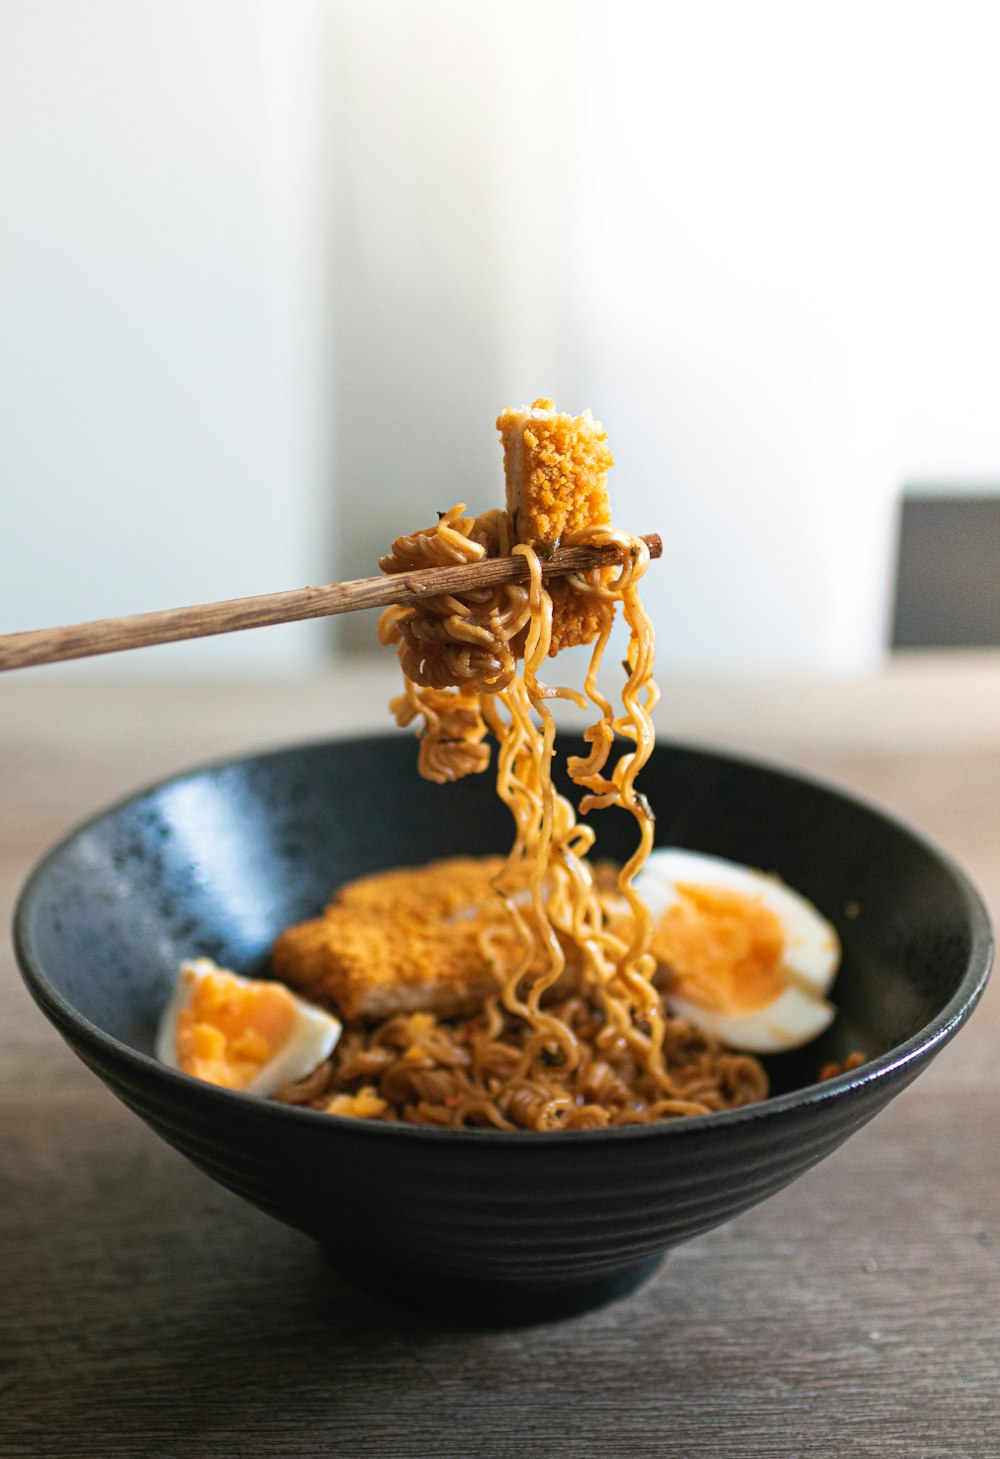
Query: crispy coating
column 399, row 941
column 576, row 617
column 556, row 469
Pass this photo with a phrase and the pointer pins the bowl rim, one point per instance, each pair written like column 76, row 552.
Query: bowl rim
column 919, row 1047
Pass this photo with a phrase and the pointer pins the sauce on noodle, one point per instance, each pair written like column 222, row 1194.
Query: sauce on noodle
column 576, row 1034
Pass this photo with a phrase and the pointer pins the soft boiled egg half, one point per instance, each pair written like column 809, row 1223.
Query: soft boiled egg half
column 743, row 957
column 242, row 1033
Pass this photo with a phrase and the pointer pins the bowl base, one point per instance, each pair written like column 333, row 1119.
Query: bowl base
column 465, row 1302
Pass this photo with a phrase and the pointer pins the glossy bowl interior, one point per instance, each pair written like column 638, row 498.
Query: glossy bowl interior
column 517, row 1225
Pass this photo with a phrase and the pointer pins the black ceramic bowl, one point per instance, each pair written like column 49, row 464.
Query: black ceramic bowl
column 219, row 861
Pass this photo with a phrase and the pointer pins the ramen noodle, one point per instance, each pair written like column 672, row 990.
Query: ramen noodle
column 515, row 992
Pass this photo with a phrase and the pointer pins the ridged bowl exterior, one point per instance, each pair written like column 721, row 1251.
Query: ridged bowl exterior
column 519, row 1224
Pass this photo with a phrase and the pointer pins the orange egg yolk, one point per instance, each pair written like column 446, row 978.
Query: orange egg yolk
column 723, row 949
column 228, row 1031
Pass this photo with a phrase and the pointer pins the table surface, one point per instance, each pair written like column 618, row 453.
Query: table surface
column 145, row 1311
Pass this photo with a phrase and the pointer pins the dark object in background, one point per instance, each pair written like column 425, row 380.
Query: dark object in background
column 948, row 573
column 488, row 1225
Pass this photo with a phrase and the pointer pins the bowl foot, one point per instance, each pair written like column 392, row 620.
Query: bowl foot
column 464, row 1302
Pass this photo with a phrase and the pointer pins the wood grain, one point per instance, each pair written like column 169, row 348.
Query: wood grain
column 146, row 1312
column 236, row 615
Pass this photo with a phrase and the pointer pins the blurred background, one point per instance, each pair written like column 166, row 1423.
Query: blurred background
column 269, row 271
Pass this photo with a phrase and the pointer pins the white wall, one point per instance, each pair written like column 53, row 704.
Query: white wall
column 758, row 240
column 274, row 269
column 159, row 297
column 794, row 301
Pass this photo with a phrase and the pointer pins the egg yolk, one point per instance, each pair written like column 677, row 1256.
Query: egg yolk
column 723, row 949
column 228, row 1031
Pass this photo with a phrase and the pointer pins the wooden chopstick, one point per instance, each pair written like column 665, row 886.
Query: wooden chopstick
column 203, row 620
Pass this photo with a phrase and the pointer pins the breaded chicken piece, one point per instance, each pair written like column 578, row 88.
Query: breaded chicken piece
column 556, row 469
column 399, row 941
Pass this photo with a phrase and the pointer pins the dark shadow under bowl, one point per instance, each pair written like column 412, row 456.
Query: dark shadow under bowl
column 491, row 1224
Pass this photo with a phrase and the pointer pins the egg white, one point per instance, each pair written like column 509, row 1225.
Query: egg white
column 313, row 1036
column 800, row 1012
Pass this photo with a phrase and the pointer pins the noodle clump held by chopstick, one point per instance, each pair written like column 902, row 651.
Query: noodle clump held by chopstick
column 574, row 1034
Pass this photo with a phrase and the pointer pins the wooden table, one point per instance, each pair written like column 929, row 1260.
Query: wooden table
column 143, row 1311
